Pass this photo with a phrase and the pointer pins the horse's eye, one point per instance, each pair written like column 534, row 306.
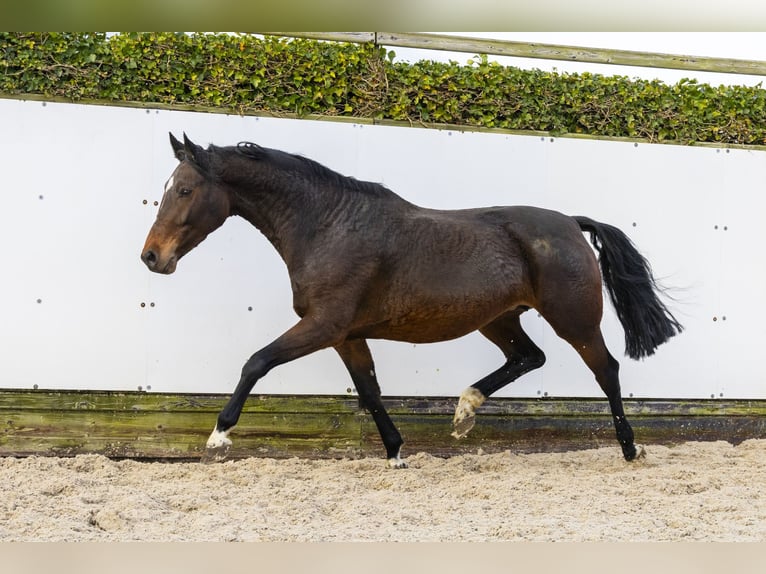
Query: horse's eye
column 184, row 191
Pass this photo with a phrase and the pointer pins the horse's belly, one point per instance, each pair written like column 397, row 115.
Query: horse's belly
column 428, row 333
column 434, row 323
column 444, row 297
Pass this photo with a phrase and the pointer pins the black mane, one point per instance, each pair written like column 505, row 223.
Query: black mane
column 308, row 168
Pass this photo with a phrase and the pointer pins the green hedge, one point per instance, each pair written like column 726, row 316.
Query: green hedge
column 246, row 74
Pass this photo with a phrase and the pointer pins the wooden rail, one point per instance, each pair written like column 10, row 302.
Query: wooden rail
column 541, row 51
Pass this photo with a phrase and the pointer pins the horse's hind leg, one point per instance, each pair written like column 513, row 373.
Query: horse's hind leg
column 358, row 360
column 593, row 351
column 522, row 356
column 606, row 369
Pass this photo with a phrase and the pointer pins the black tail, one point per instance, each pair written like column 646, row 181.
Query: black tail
column 633, row 290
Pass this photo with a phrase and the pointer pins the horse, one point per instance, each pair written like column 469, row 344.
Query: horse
column 364, row 263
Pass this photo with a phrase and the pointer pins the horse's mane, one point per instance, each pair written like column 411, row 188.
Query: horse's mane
column 308, row 168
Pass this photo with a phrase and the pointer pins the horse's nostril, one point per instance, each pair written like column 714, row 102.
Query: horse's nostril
column 150, row 258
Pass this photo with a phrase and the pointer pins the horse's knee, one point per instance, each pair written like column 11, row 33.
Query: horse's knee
column 369, row 394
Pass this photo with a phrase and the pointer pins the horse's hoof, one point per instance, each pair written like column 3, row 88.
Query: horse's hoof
column 465, row 413
column 397, row 463
column 638, row 452
column 215, row 454
column 463, row 427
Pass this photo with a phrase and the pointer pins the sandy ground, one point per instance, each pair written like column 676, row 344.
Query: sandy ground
column 695, row 491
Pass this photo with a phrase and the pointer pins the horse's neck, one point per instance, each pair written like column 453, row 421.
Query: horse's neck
column 289, row 217
column 293, row 213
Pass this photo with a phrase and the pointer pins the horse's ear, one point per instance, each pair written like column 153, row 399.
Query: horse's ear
column 196, row 154
column 178, row 148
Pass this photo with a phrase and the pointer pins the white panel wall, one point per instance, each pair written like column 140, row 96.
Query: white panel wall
column 80, row 311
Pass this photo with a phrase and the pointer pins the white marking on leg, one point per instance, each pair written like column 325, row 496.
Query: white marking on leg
column 218, row 439
column 396, row 462
column 470, row 400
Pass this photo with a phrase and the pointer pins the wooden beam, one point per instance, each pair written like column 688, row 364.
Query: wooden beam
column 448, row 42
column 353, row 37
column 176, row 426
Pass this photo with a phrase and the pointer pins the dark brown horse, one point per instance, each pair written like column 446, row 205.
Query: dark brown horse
column 366, row 264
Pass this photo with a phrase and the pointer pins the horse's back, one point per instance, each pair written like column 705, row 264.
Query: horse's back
column 508, row 244
column 529, row 223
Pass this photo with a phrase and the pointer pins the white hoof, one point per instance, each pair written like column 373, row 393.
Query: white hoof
column 217, row 447
column 218, row 439
column 465, row 412
column 396, row 462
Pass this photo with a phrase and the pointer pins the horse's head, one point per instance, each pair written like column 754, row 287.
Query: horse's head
column 193, row 206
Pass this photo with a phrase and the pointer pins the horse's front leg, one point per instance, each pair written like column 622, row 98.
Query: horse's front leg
column 302, row 339
column 358, row 360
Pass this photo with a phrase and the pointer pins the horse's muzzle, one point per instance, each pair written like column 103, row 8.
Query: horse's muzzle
column 154, row 263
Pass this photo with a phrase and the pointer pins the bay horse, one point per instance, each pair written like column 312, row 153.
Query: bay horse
column 364, row 263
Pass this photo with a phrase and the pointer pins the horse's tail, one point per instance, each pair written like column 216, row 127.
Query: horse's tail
column 633, row 290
